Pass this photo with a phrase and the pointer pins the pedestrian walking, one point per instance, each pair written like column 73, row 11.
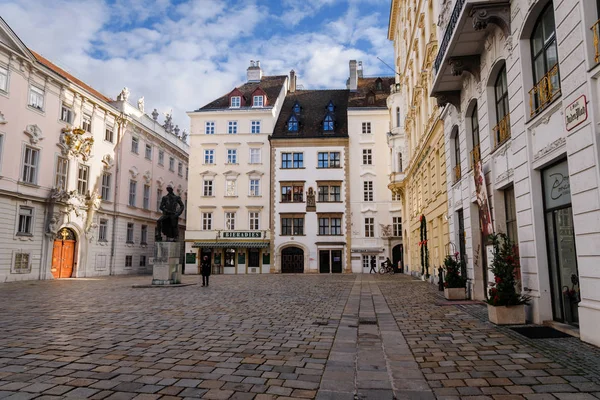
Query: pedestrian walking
column 205, row 270
column 373, row 265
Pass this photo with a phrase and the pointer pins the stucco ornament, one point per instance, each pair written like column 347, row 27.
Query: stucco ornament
column 124, row 95
column 133, row 171
column 34, row 132
column 108, row 161
column 141, row 104
column 53, row 225
column 3, row 120
column 74, row 142
column 160, row 182
column 93, row 204
column 386, row 230
column 147, row 177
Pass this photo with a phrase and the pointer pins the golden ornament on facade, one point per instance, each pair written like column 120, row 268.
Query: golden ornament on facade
column 74, row 143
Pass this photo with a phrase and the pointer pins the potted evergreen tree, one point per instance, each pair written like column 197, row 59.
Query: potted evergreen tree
column 454, row 283
column 505, row 305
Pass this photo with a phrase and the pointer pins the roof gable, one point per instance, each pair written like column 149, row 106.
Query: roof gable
column 270, row 85
column 10, row 39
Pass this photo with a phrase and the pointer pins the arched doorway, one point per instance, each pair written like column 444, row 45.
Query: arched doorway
column 63, row 254
column 292, row 260
column 397, row 256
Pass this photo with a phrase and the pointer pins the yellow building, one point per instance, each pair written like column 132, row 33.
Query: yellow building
column 416, row 137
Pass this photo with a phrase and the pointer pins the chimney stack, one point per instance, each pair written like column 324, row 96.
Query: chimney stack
column 292, row 81
column 360, row 69
column 353, row 81
column 254, row 73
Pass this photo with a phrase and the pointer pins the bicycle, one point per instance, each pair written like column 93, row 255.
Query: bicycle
column 386, row 268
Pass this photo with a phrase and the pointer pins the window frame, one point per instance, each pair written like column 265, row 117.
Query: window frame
column 103, row 230
column 209, row 156
column 208, row 189
column 262, row 101
column 369, row 226
column 86, row 123
column 148, row 151
column 129, row 239
column 367, row 156
column 232, row 156
column 144, row 234
column 70, row 113
column 230, row 217
column 58, row 172
column 232, row 127
column 135, row 145
column 231, row 188
column 397, row 226
column 26, row 220
column 40, row 95
column 132, row 193
column 366, row 128
column 254, row 183
column 83, row 184
column 543, row 53
column 4, row 71
column 294, row 193
column 146, row 197
column 109, row 133
column 254, row 220
column 255, row 127
column 368, row 191
column 255, row 151
column 235, row 101
column 207, row 221
column 209, row 127
column 172, row 164
column 29, row 169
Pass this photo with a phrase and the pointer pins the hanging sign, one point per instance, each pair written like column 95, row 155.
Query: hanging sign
column 576, row 112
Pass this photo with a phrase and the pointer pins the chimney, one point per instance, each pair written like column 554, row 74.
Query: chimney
column 292, row 81
column 353, row 81
column 254, row 73
column 360, row 69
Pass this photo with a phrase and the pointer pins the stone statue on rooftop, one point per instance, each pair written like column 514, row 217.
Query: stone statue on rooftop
column 124, row 95
column 141, row 104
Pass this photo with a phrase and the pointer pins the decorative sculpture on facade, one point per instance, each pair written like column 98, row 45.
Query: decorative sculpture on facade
column 35, row 133
column 168, row 223
column 176, row 130
column 168, row 125
column 155, row 114
column 2, row 119
column 184, row 135
column 124, row 95
column 386, row 230
column 141, row 104
column 92, row 202
column 108, row 161
column 74, row 144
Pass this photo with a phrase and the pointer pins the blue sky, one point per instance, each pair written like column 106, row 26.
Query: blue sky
column 181, row 54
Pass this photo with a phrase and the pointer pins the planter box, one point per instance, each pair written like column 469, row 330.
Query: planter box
column 455, row 293
column 513, row 315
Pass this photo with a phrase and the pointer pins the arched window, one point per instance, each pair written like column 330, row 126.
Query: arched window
column 456, row 144
column 328, row 123
column 330, row 106
column 502, row 128
column 475, row 153
column 293, row 124
column 398, row 117
column 544, row 56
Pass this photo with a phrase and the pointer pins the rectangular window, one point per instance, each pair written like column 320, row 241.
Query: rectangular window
column 254, row 218
column 128, row 261
column 235, row 101
column 254, row 156
column 86, row 124
column 329, row 193
column 3, row 79
column 209, row 128
column 231, row 156
column 367, row 157
column 22, row 263
column 323, row 160
column 292, row 193
column 62, row 167
column 323, row 226
column 336, row 226
column 369, row 227
column 144, row 238
column 132, row 192
column 135, row 145
column 208, row 188
column 83, row 175
column 330, row 226
column 30, row 165
column 103, row 230
column 66, row 113
column 366, row 127
column 323, row 193
column 232, row 127
column 142, row 260
column 129, row 232
column 171, row 164
column 258, row 101
column 328, row 159
column 159, row 195
column 365, row 261
column 255, row 127
column 180, row 169
column 25, row 221
column 298, row 160
column 187, row 173
column 36, row 97
column 146, row 197
column 161, row 157
column 254, row 187
column 511, row 215
column 397, row 226
column 292, row 226
column 209, row 156
column 207, row 221
column 105, row 190
column 396, row 196
column 230, row 221
column 230, row 188
column 109, row 134
column 148, row 153
column 286, row 160
column 334, row 159
column 368, row 191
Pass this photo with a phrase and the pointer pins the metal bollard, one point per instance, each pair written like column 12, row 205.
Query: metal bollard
column 441, row 279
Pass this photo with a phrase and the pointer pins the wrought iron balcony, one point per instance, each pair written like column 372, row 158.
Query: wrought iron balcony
column 596, row 31
column 502, row 131
column 545, row 91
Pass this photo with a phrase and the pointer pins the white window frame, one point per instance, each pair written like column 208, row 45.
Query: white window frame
column 148, row 151
column 13, row 266
column 109, row 133
column 103, row 230
column 254, row 220
column 146, row 197
column 397, row 226
column 4, row 73
column 29, row 170
column 209, row 156
column 135, row 145
column 86, row 123
column 230, row 220
column 159, row 196
column 232, row 127
column 208, row 188
column 255, row 127
column 369, row 224
column 83, row 184
column 209, row 127
column 161, row 157
column 130, row 230
column 69, row 113
column 61, row 171
column 255, row 155
column 230, row 188
column 36, row 97
column 260, row 102
column 144, row 235
column 172, row 164
column 367, row 156
column 207, row 221
column 254, row 187
column 132, row 192
column 128, row 261
column 105, row 186
column 235, row 102
column 28, row 213
column 231, row 156
column 366, row 128
column 180, row 168
column 368, row 192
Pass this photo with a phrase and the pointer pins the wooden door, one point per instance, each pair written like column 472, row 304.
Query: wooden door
column 324, row 266
column 56, row 259
column 336, row 261
column 253, row 258
column 63, row 258
column 292, row 260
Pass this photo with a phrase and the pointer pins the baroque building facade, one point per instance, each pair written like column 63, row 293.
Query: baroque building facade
column 77, row 200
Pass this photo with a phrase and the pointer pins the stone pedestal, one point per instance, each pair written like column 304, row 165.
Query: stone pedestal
column 166, row 269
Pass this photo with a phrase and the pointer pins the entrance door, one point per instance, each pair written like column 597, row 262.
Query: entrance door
column 324, row 265
column 253, row 258
column 63, row 254
column 336, row 261
column 397, row 256
column 292, row 260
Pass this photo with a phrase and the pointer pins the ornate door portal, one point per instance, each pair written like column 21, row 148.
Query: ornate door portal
column 63, row 254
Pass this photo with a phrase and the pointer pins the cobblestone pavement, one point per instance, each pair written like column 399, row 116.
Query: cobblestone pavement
column 271, row 336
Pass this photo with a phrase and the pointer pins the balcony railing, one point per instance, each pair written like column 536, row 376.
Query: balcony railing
column 475, row 155
column 448, row 34
column 502, row 131
column 457, row 173
column 596, row 30
column 546, row 90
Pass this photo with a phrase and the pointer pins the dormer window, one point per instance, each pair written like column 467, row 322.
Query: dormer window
column 330, row 107
column 328, row 123
column 235, row 101
column 293, row 124
column 258, row 101
column 378, row 84
column 297, row 108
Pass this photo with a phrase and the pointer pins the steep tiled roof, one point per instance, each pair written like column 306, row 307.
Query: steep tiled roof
column 368, row 94
column 70, row 77
column 313, row 108
column 270, row 84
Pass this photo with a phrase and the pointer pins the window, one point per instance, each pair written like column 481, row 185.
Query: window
column 398, row 117
column 511, row 215
column 255, row 156
column 292, row 124
column 232, row 127
column 128, row 261
column 231, row 156
column 286, row 160
column 400, row 162
column 208, row 188
column 457, row 169
column 296, row 108
column 257, row 101
column 329, row 193
column 369, row 227
column 86, row 123
column 25, row 221
column 330, row 225
column 132, row 192
column 142, row 260
column 66, row 113
column 235, row 101
column 255, row 127
column 129, row 232
column 159, row 195
column 366, row 261
column 209, row 156
column 146, row 199
column 103, row 230
column 475, row 153
column 171, row 164
column 144, row 238
column 502, row 129
column 397, row 226
column 206, row 221
column 367, row 156
column 230, row 221
column 254, row 187
column 368, row 191
column 148, row 153
column 544, row 60
column 230, row 187
column 83, row 174
column 292, row 226
column 254, row 218
column 180, row 169
column 22, row 263
column 62, row 167
column 298, row 160
column 328, row 123
column 292, row 193
column 3, row 79
column 328, row 160
column 366, row 127
column 330, row 107
column 36, row 97
column 109, row 134
column 396, row 196
column 30, row 165
column 209, row 128
column 187, row 173
column 135, row 143
column 161, row 157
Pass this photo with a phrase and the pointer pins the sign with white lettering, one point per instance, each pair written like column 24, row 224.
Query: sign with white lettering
column 576, row 112
column 241, row 234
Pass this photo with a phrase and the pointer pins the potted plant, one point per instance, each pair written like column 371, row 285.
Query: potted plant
column 454, row 283
column 505, row 305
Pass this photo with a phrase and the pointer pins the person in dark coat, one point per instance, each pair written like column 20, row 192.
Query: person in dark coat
column 373, row 265
column 205, row 270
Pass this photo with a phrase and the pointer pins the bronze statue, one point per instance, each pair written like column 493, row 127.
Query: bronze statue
column 168, row 223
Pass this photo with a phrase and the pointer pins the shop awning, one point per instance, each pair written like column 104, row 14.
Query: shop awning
column 231, row 245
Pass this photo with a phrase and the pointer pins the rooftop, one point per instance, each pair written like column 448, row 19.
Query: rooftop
column 371, row 92
column 271, row 85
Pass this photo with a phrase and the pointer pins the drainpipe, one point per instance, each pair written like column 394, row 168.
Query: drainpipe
column 116, row 195
column 43, row 258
